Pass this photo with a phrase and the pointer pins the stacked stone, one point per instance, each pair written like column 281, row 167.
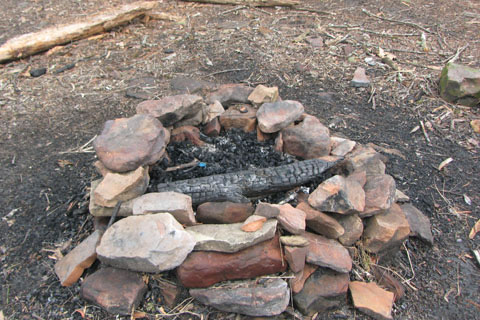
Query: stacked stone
column 232, row 243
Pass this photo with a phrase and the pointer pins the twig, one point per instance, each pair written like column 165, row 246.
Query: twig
column 405, row 281
column 457, row 54
column 425, row 134
column 225, row 71
column 372, row 98
column 82, row 149
column 183, row 166
column 234, row 9
column 368, row 13
column 314, row 11
column 382, row 34
column 410, row 262
column 114, row 214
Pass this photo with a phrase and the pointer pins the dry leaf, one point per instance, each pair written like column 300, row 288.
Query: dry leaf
column 467, row 200
column 139, row 315
column 82, row 312
column 444, row 163
column 64, row 163
column 475, row 229
column 475, row 125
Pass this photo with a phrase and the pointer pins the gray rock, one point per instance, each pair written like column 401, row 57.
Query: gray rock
column 360, row 79
column 460, row 84
column 294, row 241
column 187, row 85
column 340, row 146
column 229, row 237
column 256, row 298
column 150, row 243
column 228, row 94
column 274, row 116
column 379, row 194
column 353, row 226
column 419, row 223
column 323, row 290
column 177, row 204
column 172, row 109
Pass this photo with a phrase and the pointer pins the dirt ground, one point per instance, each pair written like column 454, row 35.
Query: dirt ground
column 45, row 174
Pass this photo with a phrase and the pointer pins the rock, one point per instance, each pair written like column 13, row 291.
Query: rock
column 100, row 223
column 371, row 299
column 265, row 297
column 172, row 109
column 239, row 117
column 116, row 187
column 291, row 219
column 170, row 292
column 328, row 253
column 228, row 94
column 262, row 94
column 224, row 212
column 179, row 205
column 38, row 72
column 320, row 222
column 340, row 146
column 401, row 197
column 189, row 133
column 213, row 128
column 126, row 208
column 229, row 237
column 253, row 223
column 360, row 176
column 279, row 142
column 475, row 124
column 323, row 290
column 187, row 85
column 364, row 158
column 274, row 116
column 115, row 290
column 213, row 110
column 386, row 280
column 298, row 282
column 261, row 136
column 360, row 79
column 316, row 42
column 419, row 223
column 101, row 169
column 295, row 257
column 150, row 243
column 379, row 194
column 309, row 139
column 70, row 268
column 353, row 226
column 267, row 210
column 386, row 231
column 192, row 120
column 338, row 194
column 460, row 84
column 294, row 241
column 205, row 268
column 128, row 143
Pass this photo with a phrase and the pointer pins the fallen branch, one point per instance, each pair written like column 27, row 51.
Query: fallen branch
column 252, row 3
column 31, row 43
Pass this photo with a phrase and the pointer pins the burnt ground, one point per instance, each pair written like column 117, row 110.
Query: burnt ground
column 45, row 174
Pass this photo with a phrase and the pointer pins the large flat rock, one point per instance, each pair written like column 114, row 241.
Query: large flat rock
column 274, row 116
column 150, row 243
column 328, row 253
column 372, row 300
column 229, row 237
column 265, row 297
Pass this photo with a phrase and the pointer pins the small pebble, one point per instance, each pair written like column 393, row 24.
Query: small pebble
column 168, row 51
column 38, row 72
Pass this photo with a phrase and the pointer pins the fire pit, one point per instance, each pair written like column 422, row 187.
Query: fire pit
column 246, row 201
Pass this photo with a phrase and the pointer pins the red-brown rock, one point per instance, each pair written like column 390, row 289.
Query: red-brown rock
column 70, row 268
column 204, row 268
column 379, row 194
column 295, row 257
column 275, row 116
column 117, row 291
column 298, row 282
column 372, row 300
column 353, row 226
column 267, row 210
column 309, row 139
column 320, row 222
column 386, row 231
column 262, row 94
column 239, row 117
column 364, row 158
column 228, row 94
column 213, row 128
column 328, row 253
column 253, row 223
column 323, row 290
column 189, row 133
column 223, row 212
column 128, row 143
column 419, row 223
column 291, row 219
column 170, row 292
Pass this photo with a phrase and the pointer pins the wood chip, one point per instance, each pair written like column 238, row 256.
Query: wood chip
column 444, row 163
column 475, row 229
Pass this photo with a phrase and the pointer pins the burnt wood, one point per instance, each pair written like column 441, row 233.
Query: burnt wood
column 239, row 186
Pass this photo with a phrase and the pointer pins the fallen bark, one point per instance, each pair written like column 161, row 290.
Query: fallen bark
column 31, row 43
column 253, row 3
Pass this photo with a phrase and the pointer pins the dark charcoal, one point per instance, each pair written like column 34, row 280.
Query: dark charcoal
column 38, row 72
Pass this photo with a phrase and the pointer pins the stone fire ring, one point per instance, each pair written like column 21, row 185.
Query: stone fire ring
column 304, row 250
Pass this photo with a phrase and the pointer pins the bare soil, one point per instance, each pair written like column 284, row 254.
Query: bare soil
column 44, row 121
